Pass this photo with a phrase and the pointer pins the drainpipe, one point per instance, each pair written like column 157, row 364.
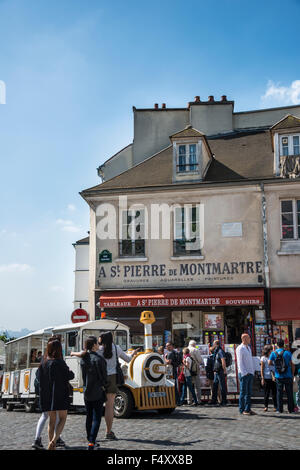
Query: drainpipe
column 265, row 247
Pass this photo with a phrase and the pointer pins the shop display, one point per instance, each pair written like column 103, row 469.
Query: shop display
column 213, row 321
column 232, row 376
column 261, row 335
column 281, row 332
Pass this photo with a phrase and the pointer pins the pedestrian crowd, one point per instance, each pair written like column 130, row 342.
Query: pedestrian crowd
column 101, row 375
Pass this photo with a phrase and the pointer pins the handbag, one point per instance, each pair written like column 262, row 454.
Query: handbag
column 119, row 373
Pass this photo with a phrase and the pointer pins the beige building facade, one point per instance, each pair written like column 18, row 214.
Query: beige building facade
column 193, row 220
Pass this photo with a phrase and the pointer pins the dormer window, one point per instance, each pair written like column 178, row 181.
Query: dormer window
column 187, row 158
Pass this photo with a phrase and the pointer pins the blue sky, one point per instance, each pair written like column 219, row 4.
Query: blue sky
column 73, row 69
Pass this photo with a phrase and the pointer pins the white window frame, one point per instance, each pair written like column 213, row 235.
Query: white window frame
column 290, row 144
column 187, row 219
column 187, row 154
column 296, row 233
column 134, row 238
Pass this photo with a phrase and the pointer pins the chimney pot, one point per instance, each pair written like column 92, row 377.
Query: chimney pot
column 197, row 99
column 156, row 106
column 223, row 98
column 211, row 98
column 163, row 106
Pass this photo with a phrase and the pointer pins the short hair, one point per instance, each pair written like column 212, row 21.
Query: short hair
column 266, row 349
column 192, row 341
column 185, row 350
column 280, row 343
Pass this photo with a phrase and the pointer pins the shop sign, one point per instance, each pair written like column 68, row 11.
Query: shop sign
column 105, row 256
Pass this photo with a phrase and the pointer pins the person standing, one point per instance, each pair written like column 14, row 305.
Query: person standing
column 94, row 374
column 284, row 373
column 173, row 359
column 267, row 373
column 220, row 373
column 111, row 353
column 246, row 374
column 54, row 376
column 188, row 384
column 196, row 356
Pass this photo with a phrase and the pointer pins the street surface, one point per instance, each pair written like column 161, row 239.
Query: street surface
column 187, row 428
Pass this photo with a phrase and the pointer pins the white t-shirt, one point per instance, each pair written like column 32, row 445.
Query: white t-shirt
column 112, row 362
column 186, row 370
column 267, row 369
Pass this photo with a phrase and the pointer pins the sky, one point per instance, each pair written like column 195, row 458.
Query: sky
column 71, row 71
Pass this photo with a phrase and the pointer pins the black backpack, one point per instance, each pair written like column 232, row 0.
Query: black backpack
column 280, row 365
column 193, row 369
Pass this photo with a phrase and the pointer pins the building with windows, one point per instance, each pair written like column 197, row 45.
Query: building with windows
column 199, row 220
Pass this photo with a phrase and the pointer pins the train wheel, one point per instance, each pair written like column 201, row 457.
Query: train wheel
column 9, row 406
column 29, row 407
column 165, row 411
column 124, row 403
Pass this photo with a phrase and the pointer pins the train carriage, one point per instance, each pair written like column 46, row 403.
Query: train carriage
column 146, row 387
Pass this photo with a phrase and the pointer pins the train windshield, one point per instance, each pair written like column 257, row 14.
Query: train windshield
column 119, row 337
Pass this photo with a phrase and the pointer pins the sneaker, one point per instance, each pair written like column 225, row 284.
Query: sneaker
column 265, row 409
column 91, row 446
column 247, row 413
column 212, row 403
column 60, row 443
column 110, row 436
column 38, row 444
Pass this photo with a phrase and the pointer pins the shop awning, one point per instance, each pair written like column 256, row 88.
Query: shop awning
column 285, row 304
column 182, row 298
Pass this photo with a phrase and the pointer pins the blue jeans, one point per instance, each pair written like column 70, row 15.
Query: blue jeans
column 176, row 385
column 188, row 384
column 93, row 419
column 219, row 378
column 286, row 383
column 246, row 383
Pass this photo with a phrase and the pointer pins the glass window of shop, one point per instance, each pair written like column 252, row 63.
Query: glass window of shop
column 186, row 325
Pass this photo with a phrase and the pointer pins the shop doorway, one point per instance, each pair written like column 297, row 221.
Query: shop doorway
column 237, row 322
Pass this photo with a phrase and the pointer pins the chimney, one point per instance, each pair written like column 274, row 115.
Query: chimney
column 156, row 106
column 163, row 106
column 211, row 99
column 197, row 99
column 223, row 98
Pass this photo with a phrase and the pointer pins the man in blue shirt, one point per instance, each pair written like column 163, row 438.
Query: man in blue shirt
column 283, row 379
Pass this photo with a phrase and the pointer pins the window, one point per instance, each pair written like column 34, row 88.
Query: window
column 290, row 219
column 187, row 158
column 186, row 231
column 133, row 233
column 290, row 145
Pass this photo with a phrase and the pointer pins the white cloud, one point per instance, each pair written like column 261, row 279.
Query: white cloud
column 71, row 207
column 282, row 95
column 68, row 225
column 14, row 267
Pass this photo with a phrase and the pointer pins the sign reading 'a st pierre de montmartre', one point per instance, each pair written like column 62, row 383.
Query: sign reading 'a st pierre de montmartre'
column 155, row 275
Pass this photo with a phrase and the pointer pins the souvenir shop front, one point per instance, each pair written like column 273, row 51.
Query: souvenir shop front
column 285, row 314
column 203, row 315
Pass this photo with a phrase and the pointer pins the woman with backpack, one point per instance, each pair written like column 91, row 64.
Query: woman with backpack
column 268, row 378
column 187, row 377
column 94, row 374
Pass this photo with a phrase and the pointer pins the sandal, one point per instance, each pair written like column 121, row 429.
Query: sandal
column 266, row 409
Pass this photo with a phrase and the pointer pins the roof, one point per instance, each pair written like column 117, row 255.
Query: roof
column 288, row 121
column 237, row 156
column 83, row 241
column 189, row 131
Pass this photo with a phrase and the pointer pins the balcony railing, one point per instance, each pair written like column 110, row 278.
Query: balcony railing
column 290, row 166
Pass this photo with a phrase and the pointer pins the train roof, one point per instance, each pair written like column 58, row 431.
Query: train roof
column 105, row 323
column 41, row 332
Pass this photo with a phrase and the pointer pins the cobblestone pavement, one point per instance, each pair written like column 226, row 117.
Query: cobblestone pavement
column 187, row 428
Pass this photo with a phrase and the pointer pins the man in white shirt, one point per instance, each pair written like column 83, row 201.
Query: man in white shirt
column 246, row 374
column 196, row 355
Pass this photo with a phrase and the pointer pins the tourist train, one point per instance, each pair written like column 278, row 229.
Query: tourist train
column 147, row 385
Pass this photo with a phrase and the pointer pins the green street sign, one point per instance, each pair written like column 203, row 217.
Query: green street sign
column 105, row 257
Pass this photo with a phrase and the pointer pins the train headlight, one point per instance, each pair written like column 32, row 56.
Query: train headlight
column 154, row 369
